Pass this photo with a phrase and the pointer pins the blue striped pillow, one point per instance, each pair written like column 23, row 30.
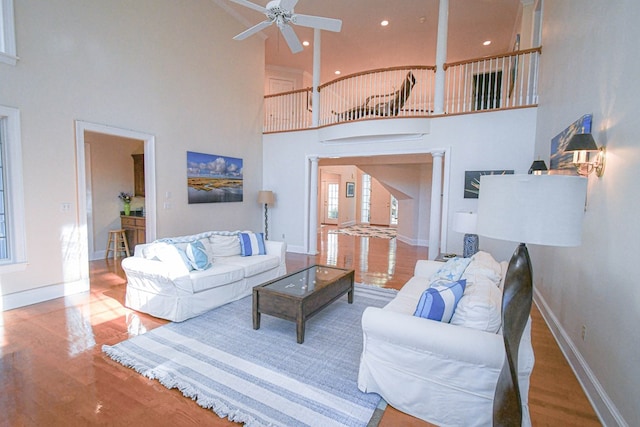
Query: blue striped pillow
column 197, row 255
column 439, row 301
column 252, row 244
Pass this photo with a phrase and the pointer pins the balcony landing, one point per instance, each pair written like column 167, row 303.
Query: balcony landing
column 378, row 130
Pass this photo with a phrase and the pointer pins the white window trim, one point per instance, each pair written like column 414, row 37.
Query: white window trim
column 11, row 139
column 8, row 53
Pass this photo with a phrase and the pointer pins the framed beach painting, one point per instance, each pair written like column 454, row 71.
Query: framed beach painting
column 472, row 181
column 213, row 178
column 351, row 189
column 559, row 161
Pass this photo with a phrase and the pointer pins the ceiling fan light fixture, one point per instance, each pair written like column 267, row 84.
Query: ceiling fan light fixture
column 384, row 23
column 280, row 12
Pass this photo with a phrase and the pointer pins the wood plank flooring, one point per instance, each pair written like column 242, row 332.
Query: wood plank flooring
column 53, row 372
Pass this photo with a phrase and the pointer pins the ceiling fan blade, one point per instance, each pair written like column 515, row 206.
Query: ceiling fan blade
column 291, row 38
column 250, row 5
column 255, row 29
column 288, row 4
column 328, row 24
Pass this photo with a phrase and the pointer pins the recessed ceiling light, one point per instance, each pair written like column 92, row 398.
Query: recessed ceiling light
column 336, row 72
column 305, row 43
column 487, row 42
column 384, row 23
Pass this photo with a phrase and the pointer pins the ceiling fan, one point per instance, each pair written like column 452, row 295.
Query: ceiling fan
column 281, row 12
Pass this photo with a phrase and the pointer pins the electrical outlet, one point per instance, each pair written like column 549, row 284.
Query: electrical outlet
column 583, row 333
column 283, row 236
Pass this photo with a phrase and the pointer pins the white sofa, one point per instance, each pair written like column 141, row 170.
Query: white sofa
column 443, row 373
column 161, row 282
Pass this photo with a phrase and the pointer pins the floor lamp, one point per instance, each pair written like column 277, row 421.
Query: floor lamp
column 266, row 198
column 528, row 209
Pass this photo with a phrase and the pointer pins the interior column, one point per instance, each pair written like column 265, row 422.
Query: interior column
column 436, row 205
column 441, row 56
column 315, row 95
column 312, row 245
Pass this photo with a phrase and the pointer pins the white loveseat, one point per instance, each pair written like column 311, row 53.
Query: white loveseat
column 443, row 373
column 161, row 281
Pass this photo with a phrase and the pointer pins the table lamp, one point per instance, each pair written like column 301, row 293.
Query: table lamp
column 465, row 222
column 529, row 209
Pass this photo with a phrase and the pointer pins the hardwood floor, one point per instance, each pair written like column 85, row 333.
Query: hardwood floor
column 53, row 372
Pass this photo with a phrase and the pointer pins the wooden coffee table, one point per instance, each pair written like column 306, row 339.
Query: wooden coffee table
column 300, row 295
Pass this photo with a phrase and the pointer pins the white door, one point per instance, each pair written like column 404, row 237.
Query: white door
column 280, row 85
column 380, row 204
column 330, row 202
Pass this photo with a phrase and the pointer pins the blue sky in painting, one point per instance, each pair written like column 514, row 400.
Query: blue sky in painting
column 213, row 166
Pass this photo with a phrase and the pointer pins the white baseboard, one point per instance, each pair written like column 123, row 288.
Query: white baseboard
column 602, row 404
column 296, row 249
column 45, row 293
column 412, row 242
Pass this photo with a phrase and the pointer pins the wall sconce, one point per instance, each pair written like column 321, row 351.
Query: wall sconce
column 538, row 167
column 587, row 157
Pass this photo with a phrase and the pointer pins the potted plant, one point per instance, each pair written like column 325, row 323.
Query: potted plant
column 126, row 198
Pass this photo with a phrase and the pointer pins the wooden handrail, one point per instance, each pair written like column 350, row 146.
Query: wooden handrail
column 378, row 70
column 291, row 92
column 501, row 55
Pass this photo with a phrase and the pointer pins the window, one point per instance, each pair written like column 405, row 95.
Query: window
column 12, row 236
column 365, row 209
column 332, row 201
column 394, row 210
column 7, row 33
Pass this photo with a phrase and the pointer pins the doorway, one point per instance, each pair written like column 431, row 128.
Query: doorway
column 330, row 199
column 417, row 191
column 84, row 175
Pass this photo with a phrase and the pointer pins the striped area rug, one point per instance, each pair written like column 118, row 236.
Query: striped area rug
column 263, row 377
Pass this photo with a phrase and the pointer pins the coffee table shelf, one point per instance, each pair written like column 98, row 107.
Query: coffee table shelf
column 300, row 295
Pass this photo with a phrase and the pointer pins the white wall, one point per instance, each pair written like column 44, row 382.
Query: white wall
column 590, row 65
column 167, row 68
column 484, row 141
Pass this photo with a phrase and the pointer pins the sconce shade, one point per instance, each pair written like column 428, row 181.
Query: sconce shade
column 581, row 142
column 465, row 222
column 582, row 145
column 537, row 167
column 541, row 210
column 266, row 197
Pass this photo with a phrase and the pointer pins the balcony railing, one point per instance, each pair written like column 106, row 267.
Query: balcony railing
column 497, row 82
column 501, row 81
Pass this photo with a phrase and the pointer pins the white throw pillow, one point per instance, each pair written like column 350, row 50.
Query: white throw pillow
column 173, row 258
column 224, row 245
column 483, row 266
column 480, row 307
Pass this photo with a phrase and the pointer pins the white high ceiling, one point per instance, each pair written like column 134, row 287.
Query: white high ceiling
column 409, row 39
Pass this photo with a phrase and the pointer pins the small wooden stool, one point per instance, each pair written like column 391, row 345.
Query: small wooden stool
column 119, row 240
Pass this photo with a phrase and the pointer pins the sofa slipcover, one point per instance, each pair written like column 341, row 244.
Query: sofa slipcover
column 443, row 373
column 160, row 282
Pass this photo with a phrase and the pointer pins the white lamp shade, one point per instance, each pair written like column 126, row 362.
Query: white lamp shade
column 266, row 197
column 542, row 210
column 465, row 222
